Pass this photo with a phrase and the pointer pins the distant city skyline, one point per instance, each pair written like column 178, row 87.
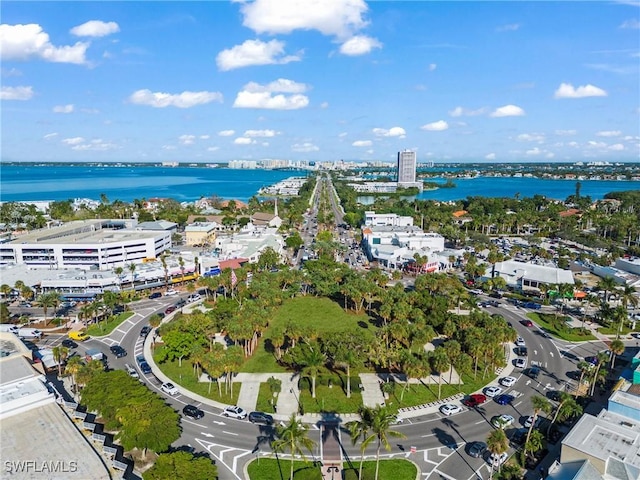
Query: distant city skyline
column 320, row 80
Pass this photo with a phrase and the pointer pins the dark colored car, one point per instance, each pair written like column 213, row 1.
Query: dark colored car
column 532, row 305
column 553, row 395
column 118, row 351
column 192, row 411
column 180, row 303
column 521, row 351
column 145, row 330
column 144, row 366
column 477, row 449
column 170, row 309
column 533, row 372
column 118, row 309
column 155, row 295
column 67, row 342
column 526, row 323
column 519, row 436
column 504, row 399
column 261, row 418
column 474, row 400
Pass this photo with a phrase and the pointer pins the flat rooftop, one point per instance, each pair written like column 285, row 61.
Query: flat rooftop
column 46, row 437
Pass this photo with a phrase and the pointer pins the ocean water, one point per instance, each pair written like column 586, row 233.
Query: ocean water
column 63, row 182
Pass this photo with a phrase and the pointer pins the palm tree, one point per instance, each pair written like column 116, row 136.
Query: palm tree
column 608, row 284
column 181, row 263
column 497, row 444
column 73, row 366
column 313, row 361
column 540, row 404
column 118, row 271
column 440, row 363
column 566, row 408
column 616, row 348
column 60, row 354
column 132, row 269
column 360, row 430
column 601, row 358
column 379, row 420
column 47, row 300
column 163, row 260
column 534, row 443
column 292, row 437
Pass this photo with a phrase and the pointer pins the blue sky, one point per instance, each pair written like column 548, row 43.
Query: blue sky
column 320, row 80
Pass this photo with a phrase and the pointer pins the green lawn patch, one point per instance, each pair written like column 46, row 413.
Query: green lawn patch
column 613, row 330
column 274, row 469
column 185, row 377
column 330, row 399
column 266, row 400
column 558, row 327
column 323, row 314
column 105, row 327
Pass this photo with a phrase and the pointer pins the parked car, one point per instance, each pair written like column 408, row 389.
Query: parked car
column 192, row 411
column 521, row 351
column 554, row 395
column 170, row 292
column 169, row 388
column 477, row 449
column 520, row 342
column 474, row 400
column 492, row 391
column 497, row 459
column 234, row 412
column 79, row 335
column 118, row 351
column 68, row 343
column 193, row 297
column 131, row 371
column 529, row 421
column 450, row 409
column 261, row 418
column 180, row 303
column 520, row 362
column 144, row 366
column 502, row 421
column 155, row 295
column 508, row 381
column 504, row 399
column 29, row 333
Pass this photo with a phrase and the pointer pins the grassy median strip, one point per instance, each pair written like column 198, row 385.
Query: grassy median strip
column 278, row 469
column 558, row 327
column 107, row 326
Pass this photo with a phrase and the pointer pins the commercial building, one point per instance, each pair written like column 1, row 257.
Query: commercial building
column 249, row 243
column 406, row 167
column 200, row 233
column 90, row 244
column 529, row 276
column 373, row 219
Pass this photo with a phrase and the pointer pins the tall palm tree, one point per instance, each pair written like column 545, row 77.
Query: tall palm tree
column 48, row 300
column 313, row 361
column 379, row 420
column 566, row 408
column 73, row 366
column 293, row 437
column 497, row 443
column 616, row 348
column 132, row 269
column 540, row 404
column 602, row 359
column 608, row 284
column 441, row 364
column 60, row 354
column 360, row 430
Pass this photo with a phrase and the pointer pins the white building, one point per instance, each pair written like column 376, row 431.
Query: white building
column 406, row 167
column 91, row 244
column 373, row 219
column 249, row 243
column 396, row 246
column 528, row 276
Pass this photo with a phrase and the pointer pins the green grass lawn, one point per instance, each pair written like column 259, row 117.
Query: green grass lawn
column 330, row 399
column 266, row 400
column 613, row 330
column 559, row 328
column 185, row 377
column 322, row 313
column 273, row 469
column 107, row 326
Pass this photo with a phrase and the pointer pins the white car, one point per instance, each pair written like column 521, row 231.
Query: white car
column 520, row 342
column 169, row 388
column 450, row 409
column 492, row 391
column 497, row 459
column 194, row 297
column 520, row 362
column 234, row 412
column 508, row 381
column 171, row 292
column 529, row 421
column 502, row 421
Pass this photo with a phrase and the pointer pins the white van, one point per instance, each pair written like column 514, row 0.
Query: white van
column 9, row 327
column 30, row 333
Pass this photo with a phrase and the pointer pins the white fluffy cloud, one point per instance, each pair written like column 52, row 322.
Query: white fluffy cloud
column 255, row 95
column 73, row 140
column 438, row 126
column 339, row 18
column 433, row 66
column 324, row 105
column 179, row 100
column 260, row 133
column 254, row 52
column 97, row 144
column 465, row 112
column 50, row 136
column 490, row 156
column 508, row 111
column 359, row 45
column 632, row 23
column 566, row 90
column 304, row 147
column 16, row 93
column 63, row 109
column 511, row 27
column 609, row 133
column 616, row 147
column 226, row 133
column 566, row 133
column 361, row 143
column 392, row 132
column 243, row 141
column 187, row 139
column 530, row 137
column 95, row 28
column 22, row 42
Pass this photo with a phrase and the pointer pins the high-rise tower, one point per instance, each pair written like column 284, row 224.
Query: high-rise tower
column 406, row 168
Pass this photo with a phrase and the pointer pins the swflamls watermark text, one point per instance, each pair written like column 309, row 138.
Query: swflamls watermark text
column 43, row 466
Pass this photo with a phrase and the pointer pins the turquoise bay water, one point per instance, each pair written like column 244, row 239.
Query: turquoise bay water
column 62, row 182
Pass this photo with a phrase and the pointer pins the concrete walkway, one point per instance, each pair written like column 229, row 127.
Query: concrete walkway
column 370, row 387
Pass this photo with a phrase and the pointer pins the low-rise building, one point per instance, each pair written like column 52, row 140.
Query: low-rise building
column 396, row 246
column 529, row 276
column 249, row 243
column 200, row 233
column 373, row 219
